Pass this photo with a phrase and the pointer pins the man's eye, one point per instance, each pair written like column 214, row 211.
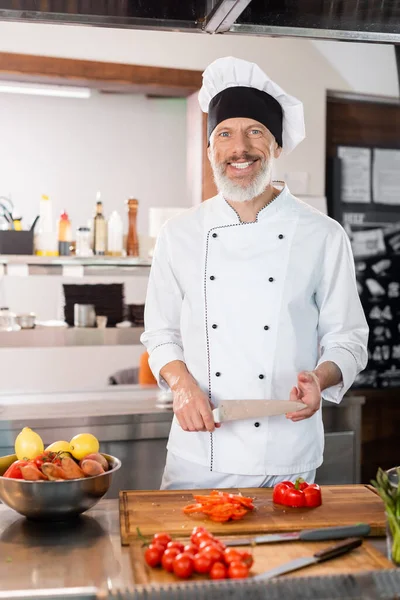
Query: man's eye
column 256, row 131
column 223, row 134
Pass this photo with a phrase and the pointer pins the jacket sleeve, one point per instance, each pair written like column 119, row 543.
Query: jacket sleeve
column 342, row 328
column 162, row 336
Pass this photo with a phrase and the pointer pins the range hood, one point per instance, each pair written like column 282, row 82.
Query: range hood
column 349, row 20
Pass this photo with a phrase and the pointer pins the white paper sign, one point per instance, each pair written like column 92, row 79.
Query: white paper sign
column 356, row 174
column 386, row 176
column 73, row 270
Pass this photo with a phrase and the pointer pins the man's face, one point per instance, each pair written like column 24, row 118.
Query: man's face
column 241, row 153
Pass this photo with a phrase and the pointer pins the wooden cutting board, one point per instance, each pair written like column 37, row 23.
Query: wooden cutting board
column 268, row 556
column 155, row 511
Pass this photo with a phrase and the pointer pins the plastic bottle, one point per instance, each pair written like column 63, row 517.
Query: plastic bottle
column 46, row 242
column 115, row 238
column 64, row 235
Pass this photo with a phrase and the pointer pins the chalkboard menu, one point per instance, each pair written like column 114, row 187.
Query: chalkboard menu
column 364, row 196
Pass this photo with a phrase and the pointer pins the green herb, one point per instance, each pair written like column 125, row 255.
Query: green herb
column 390, row 495
column 144, row 540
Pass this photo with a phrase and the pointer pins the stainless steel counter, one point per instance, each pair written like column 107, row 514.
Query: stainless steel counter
column 45, row 337
column 82, row 553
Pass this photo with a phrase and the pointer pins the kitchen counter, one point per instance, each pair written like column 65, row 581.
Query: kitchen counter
column 82, row 553
column 85, row 553
column 45, row 337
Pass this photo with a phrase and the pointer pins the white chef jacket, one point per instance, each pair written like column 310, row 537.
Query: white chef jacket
column 247, row 306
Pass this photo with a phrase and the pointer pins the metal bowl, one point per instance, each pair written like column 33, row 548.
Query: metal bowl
column 56, row 500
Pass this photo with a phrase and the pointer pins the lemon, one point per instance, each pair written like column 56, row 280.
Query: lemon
column 83, row 444
column 28, row 444
column 58, row 447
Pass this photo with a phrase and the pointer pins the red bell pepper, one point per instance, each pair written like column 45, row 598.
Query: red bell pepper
column 298, row 494
column 14, row 470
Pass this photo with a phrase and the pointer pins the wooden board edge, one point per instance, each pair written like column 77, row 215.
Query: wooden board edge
column 123, row 514
column 381, row 559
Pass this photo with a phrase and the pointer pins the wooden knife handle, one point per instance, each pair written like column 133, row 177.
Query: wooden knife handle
column 338, row 549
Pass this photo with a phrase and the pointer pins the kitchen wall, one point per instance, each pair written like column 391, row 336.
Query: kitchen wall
column 121, row 145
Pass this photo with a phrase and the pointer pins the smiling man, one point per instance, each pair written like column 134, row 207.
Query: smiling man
column 252, row 295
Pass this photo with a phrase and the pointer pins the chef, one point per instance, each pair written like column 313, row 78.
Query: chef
column 252, row 295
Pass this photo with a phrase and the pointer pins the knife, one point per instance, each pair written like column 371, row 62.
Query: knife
column 233, row 410
column 306, row 535
column 318, row 557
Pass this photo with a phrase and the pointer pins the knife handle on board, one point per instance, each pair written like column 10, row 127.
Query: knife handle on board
column 338, row 549
column 334, row 533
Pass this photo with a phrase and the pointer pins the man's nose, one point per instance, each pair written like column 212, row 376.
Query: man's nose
column 241, row 144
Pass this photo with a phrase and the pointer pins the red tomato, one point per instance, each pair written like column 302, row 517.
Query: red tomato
column 14, row 470
column 279, row 493
column 183, row 565
column 201, row 536
column 177, row 545
column 154, row 554
column 218, row 571
column 190, row 549
column 168, row 558
column 213, row 552
column 162, row 538
column 197, row 530
column 232, row 555
column 202, row 564
column 294, row 498
column 238, row 570
column 312, row 496
column 247, row 558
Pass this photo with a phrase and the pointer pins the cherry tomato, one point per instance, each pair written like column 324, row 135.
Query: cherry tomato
column 247, row 558
column 279, row 493
column 201, row 536
column 162, row 538
column 197, row 530
column 202, row 563
column 190, row 549
column 218, row 571
column 312, row 495
column 154, row 554
column 178, row 545
column 168, row 558
column 183, row 565
column 238, row 570
column 232, row 555
column 213, row 552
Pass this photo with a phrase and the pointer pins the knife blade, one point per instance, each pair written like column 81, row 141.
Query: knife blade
column 233, row 410
column 306, row 535
column 322, row 555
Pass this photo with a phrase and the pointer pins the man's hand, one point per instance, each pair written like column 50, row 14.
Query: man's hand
column 192, row 408
column 308, row 390
column 191, row 405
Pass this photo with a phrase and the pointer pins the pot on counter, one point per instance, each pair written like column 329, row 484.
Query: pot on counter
column 26, row 320
column 8, row 320
column 84, row 315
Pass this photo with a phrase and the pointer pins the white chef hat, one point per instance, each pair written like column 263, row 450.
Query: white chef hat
column 237, row 88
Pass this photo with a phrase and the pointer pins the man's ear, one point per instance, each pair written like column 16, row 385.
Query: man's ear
column 277, row 151
column 208, row 151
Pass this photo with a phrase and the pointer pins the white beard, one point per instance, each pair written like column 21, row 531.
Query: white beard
column 242, row 193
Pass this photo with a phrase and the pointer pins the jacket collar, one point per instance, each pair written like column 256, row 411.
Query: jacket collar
column 267, row 212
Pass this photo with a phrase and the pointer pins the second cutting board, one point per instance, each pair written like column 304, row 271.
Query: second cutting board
column 155, row 511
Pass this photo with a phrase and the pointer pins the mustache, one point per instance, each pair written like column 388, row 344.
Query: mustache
column 245, row 156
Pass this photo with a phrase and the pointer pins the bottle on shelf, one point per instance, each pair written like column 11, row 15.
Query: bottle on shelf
column 64, row 235
column 115, row 235
column 46, row 243
column 99, row 229
column 132, row 245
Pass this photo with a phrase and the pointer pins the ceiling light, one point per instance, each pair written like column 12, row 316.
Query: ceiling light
column 38, row 89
